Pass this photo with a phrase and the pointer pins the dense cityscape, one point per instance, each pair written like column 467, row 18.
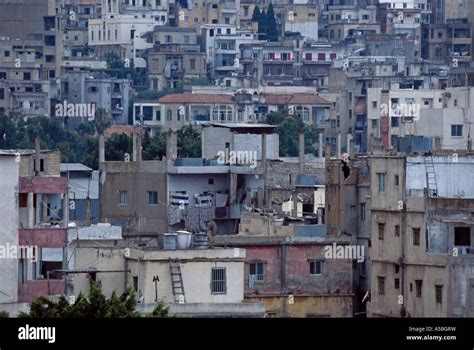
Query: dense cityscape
column 236, row 159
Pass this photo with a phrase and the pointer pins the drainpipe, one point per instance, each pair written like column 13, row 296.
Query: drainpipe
column 320, row 150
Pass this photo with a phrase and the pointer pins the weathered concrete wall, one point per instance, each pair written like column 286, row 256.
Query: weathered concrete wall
column 137, row 216
column 9, row 227
column 306, row 306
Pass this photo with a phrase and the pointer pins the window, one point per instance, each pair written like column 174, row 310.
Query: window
column 397, row 269
column 439, row 294
column 395, row 122
column 418, row 287
column 381, row 178
column 315, row 267
column 397, row 283
column 456, row 130
column 395, row 180
column 374, row 104
column 186, row 39
column 168, row 39
column 152, row 197
column 2, row 94
column 362, row 211
column 192, row 63
column 462, row 236
column 308, row 56
column 381, row 230
column 123, row 196
column 218, row 280
column 210, row 181
column 258, row 270
column 381, row 284
column 397, row 230
column 26, row 76
column 416, row 236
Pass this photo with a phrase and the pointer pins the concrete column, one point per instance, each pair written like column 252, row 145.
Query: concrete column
column 31, row 209
column 101, row 148
column 301, row 152
column 171, row 145
column 37, row 156
column 320, row 150
column 264, row 164
column 349, row 144
column 339, row 146
column 327, row 151
column 294, row 198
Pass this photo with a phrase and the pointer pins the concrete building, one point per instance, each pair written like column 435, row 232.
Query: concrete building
column 351, row 20
column 25, row 86
column 441, row 115
column 9, row 228
column 192, row 281
column 39, row 198
column 83, row 193
column 35, row 20
column 197, row 14
column 118, row 33
column 99, row 90
column 170, row 65
column 421, row 224
column 292, row 276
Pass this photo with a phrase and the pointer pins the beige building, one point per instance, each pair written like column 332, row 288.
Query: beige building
column 421, row 236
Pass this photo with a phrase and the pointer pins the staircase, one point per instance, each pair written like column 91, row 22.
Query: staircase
column 431, row 183
column 177, row 281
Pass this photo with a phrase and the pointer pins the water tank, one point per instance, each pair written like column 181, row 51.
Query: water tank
column 201, row 240
column 169, row 241
column 184, row 239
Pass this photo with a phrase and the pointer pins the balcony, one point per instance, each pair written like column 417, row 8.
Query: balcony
column 29, row 291
column 47, row 237
column 43, row 184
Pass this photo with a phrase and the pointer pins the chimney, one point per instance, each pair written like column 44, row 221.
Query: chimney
column 301, row 152
column 320, row 150
column 137, row 144
column 37, row 155
column 172, row 145
column 327, row 151
column 101, row 148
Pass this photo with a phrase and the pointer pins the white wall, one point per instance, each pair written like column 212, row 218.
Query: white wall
column 9, row 227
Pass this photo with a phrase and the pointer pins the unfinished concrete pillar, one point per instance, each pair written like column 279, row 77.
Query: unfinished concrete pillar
column 101, row 148
column 37, row 156
column 264, row 165
column 172, row 145
column 327, row 152
column 137, row 144
column 339, row 146
column 31, row 209
column 320, row 150
column 301, row 152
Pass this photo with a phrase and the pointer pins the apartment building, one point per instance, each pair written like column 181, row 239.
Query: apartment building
column 25, row 87
column 421, row 236
column 441, row 115
column 198, row 13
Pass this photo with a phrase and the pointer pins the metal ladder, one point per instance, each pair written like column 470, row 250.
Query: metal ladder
column 431, row 183
column 177, row 281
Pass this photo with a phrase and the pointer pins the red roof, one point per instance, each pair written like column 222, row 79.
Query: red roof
column 282, row 99
column 119, row 129
column 197, row 98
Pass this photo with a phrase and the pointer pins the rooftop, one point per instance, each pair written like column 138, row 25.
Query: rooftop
column 196, row 98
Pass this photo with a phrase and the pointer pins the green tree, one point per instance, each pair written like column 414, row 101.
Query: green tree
column 117, row 145
column 270, row 24
column 189, row 142
column 4, row 314
column 288, row 131
column 262, row 20
column 154, row 148
column 256, row 14
column 161, row 310
column 275, row 118
column 97, row 301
